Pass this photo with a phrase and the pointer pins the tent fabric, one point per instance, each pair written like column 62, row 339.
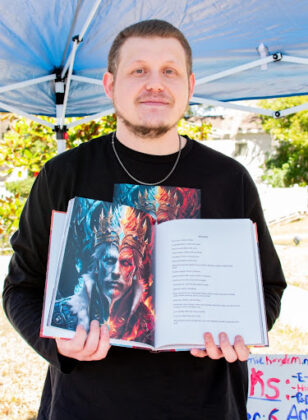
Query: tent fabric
column 223, row 34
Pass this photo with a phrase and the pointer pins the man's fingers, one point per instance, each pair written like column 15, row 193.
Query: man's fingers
column 211, row 348
column 95, row 346
column 74, row 345
column 231, row 353
column 227, row 349
column 92, row 339
column 198, row 353
column 103, row 345
column 240, row 348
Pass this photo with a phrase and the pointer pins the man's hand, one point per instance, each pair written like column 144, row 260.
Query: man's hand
column 231, row 353
column 93, row 346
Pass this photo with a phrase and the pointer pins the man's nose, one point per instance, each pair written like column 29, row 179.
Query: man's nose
column 154, row 82
column 116, row 271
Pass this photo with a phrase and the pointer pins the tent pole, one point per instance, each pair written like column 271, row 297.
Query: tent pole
column 232, row 105
column 68, row 80
column 18, row 111
column 239, row 69
column 61, row 132
column 61, row 136
column 26, row 83
column 293, row 110
column 81, row 35
column 89, row 80
column 69, row 38
column 90, row 118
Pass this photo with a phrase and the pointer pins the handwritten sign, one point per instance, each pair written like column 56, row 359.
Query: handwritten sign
column 278, row 387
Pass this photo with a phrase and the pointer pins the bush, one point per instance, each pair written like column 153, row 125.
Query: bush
column 20, row 188
column 288, row 163
column 31, row 145
column 193, row 130
column 10, row 210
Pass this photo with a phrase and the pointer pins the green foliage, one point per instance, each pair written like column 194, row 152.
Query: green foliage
column 10, row 210
column 288, row 164
column 196, row 131
column 28, row 145
column 88, row 131
column 22, row 187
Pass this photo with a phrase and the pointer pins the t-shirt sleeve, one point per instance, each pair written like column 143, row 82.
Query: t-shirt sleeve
column 272, row 275
column 25, row 283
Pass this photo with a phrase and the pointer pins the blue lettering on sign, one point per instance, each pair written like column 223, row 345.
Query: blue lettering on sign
column 301, row 398
column 255, row 416
column 256, row 360
column 297, row 415
column 299, row 376
column 271, row 414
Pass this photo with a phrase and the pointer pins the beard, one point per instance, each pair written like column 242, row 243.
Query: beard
column 147, row 131
column 144, row 131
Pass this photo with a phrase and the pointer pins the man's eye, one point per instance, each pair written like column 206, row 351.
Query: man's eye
column 139, row 71
column 169, row 71
column 125, row 263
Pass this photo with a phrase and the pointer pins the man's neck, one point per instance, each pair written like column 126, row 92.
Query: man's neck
column 163, row 145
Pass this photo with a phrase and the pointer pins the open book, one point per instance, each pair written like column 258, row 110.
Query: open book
column 158, row 286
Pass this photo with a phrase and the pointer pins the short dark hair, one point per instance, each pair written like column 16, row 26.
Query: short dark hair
column 148, row 28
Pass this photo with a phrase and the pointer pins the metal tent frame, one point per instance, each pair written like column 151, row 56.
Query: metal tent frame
column 62, row 81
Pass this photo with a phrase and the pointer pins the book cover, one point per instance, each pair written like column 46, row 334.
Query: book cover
column 106, row 272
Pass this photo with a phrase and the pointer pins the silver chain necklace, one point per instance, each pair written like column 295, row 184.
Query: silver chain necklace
column 138, row 180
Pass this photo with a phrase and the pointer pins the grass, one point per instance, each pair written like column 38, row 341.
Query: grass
column 22, row 374
column 293, row 257
column 285, row 339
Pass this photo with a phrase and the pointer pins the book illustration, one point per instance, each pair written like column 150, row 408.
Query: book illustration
column 106, row 271
column 162, row 203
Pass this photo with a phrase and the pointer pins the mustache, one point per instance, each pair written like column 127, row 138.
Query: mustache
column 159, row 97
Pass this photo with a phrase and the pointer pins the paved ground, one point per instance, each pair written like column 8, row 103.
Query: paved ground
column 294, row 310
column 4, row 261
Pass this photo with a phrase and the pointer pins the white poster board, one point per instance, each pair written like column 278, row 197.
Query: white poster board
column 278, row 387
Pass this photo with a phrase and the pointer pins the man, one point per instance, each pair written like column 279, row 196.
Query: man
column 150, row 82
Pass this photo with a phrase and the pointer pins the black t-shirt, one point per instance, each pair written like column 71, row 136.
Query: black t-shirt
column 130, row 383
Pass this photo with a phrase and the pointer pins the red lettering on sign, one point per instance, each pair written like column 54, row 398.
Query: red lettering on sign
column 273, row 387
column 255, row 378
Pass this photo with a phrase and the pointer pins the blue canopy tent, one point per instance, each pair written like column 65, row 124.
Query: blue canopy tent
column 53, row 53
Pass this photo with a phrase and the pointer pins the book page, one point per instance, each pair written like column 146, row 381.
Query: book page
column 207, row 280
column 56, row 229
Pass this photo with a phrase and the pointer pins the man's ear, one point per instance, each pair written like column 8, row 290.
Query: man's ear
column 108, row 80
column 192, row 82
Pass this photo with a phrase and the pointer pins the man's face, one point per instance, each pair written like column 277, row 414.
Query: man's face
column 151, row 88
column 115, row 273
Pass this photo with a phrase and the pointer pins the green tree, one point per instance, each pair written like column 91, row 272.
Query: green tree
column 27, row 146
column 288, row 163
